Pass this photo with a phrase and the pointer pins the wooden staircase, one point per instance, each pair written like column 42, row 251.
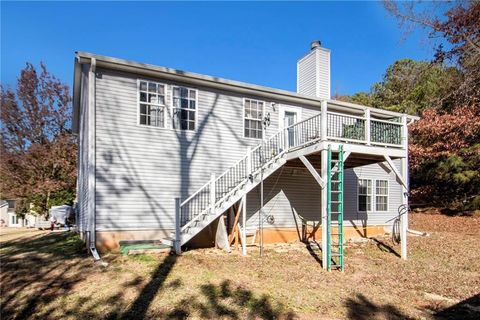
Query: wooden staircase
column 296, row 141
column 220, row 193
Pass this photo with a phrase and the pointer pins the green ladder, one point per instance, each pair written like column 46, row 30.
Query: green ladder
column 335, row 254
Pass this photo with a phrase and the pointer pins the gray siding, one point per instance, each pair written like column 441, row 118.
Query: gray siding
column 141, row 169
column 374, row 172
column 292, row 192
column 287, row 194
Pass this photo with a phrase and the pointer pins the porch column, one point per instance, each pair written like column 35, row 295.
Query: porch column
column 323, row 193
column 178, row 236
column 405, row 190
column 244, row 225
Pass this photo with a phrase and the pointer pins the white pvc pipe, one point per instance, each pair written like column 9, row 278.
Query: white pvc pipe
column 418, row 233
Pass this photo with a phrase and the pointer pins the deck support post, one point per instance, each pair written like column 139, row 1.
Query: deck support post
column 244, row 225
column 323, row 122
column 323, row 202
column 405, row 191
column 368, row 131
column 178, row 236
column 323, row 173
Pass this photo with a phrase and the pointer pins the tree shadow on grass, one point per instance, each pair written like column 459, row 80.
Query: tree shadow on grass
column 139, row 307
column 315, row 250
column 383, row 246
column 361, row 308
column 227, row 302
column 465, row 310
column 42, row 278
column 39, row 265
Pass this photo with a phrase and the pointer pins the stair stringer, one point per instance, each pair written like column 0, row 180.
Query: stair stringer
column 200, row 223
column 203, row 220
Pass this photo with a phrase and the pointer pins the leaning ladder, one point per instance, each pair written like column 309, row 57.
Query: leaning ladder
column 335, row 255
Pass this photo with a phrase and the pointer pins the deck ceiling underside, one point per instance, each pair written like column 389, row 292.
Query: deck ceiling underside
column 353, row 161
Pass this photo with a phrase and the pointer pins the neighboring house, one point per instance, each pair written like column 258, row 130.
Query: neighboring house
column 8, row 216
column 3, row 213
column 149, row 135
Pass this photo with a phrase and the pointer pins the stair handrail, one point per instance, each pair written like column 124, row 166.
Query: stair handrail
column 281, row 137
column 195, row 193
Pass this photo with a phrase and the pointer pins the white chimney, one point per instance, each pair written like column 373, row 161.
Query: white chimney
column 313, row 72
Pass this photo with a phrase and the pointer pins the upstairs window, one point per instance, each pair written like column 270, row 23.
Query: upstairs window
column 381, row 195
column 151, row 98
column 253, row 115
column 184, row 108
column 364, row 195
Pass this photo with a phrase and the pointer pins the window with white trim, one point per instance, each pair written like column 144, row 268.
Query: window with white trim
column 364, row 194
column 151, row 98
column 381, row 195
column 253, row 115
column 184, row 108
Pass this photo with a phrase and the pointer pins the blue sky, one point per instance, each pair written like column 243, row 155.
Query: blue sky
column 253, row 42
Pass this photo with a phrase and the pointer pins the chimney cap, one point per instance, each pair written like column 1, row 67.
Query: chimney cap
column 315, row 44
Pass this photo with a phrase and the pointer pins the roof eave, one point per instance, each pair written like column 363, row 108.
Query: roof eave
column 221, row 84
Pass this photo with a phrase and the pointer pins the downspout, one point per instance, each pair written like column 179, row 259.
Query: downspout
column 92, row 160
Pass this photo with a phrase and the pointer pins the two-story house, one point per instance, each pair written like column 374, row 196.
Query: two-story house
column 164, row 153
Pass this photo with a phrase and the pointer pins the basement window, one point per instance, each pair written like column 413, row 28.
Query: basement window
column 253, row 114
column 381, row 195
column 151, row 99
column 364, row 195
column 184, row 108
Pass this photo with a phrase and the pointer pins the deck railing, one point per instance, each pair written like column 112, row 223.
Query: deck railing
column 340, row 127
column 385, row 132
column 345, row 127
column 220, row 187
column 303, row 132
column 266, row 151
column 231, row 178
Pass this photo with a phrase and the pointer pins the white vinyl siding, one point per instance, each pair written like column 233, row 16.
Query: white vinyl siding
column 364, row 195
column 253, row 115
column 381, row 195
column 184, row 102
column 151, row 100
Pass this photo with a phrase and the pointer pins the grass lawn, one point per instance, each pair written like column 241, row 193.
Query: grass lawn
column 49, row 276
